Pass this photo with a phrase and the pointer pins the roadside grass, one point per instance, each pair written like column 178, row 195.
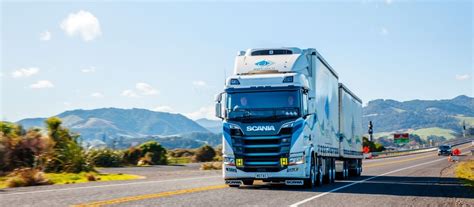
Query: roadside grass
column 465, row 171
column 425, row 132
column 3, row 182
column 179, row 160
column 83, row 177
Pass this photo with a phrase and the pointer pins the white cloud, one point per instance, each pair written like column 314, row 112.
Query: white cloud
column 25, row 72
column 88, row 70
column 199, row 83
column 146, row 89
column 141, row 89
column 45, row 36
column 97, row 95
column 163, row 109
column 204, row 112
column 42, row 84
column 463, row 77
column 129, row 93
column 384, row 31
column 82, row 23
column 388, row 2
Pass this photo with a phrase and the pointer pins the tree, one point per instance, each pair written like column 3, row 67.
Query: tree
column 204, row 154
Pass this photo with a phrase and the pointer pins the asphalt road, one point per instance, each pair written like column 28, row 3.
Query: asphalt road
column 414, row 180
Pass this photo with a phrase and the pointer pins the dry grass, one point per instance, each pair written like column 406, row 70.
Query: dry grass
column 26, row 177
column 465, row 171
column 63, row 178
column 211, row 166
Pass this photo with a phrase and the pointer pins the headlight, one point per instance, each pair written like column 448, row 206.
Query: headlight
column 229, row 161
column 287, row 125
column 296, row 160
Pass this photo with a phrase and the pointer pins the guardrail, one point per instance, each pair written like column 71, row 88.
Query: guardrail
column 453, row 142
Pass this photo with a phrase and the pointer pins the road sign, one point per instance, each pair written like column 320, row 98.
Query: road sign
column 401, row 138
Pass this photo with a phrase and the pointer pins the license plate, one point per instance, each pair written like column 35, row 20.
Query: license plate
column 261, row 175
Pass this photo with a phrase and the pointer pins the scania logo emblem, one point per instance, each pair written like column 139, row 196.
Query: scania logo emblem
column 263, row 63
column 260, row 128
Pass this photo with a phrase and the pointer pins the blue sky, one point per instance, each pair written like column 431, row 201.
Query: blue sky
column 174, row 56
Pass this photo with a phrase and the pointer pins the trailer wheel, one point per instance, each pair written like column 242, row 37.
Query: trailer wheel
column 326, row 170
column 320, row 175
column 333, row 170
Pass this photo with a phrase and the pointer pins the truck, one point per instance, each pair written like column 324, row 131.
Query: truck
column 287, row 120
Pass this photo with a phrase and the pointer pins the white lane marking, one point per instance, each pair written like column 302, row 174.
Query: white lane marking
column 361, row 181
column 111, row 185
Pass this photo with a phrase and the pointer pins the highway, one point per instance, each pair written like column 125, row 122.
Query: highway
column 414, row 180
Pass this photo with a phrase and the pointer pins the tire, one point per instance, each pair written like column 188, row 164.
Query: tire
column 333, row 167
column 319, row 176
column 311, row 182
column 327, row 171
column 248, row 182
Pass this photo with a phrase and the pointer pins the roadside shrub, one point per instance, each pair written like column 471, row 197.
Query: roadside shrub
column 105, row 158
column 211, row 166
column 66, row 155
column 181, row 153
column 91, row 177
column 146, row 160
column 218, row 156
column 155, row 151
column 27, row 177
column 148, row 153
column 204, row 154
column 132, row 155
column 20, row 148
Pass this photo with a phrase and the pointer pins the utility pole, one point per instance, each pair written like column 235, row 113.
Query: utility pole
column 464, row 129
column 371, row 131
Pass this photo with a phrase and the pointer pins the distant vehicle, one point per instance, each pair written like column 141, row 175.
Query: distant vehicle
column 288, row 120
column 445, row 150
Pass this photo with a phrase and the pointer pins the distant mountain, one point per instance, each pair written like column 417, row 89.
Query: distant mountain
column 110, row 123
column 214, row 126
column 390, row 115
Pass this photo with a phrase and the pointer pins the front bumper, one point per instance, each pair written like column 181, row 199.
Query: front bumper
column 291, row 172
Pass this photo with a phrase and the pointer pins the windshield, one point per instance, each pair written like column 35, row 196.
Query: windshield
column 444, row 147
column 265, row 105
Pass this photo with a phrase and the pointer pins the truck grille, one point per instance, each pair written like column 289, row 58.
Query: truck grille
column 261, row 153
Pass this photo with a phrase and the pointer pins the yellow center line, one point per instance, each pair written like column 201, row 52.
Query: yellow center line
column 150, row 196
column 206, row 188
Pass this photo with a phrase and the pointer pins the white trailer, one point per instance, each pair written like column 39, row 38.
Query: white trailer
column 287, row 119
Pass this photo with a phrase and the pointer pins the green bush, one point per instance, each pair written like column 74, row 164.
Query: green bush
column 105, row 158
column 204, row 154
column 148, row 153
column 158, row 153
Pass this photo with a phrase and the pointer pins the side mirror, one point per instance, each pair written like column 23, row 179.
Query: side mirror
column 218, row 107
column 218, row 110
